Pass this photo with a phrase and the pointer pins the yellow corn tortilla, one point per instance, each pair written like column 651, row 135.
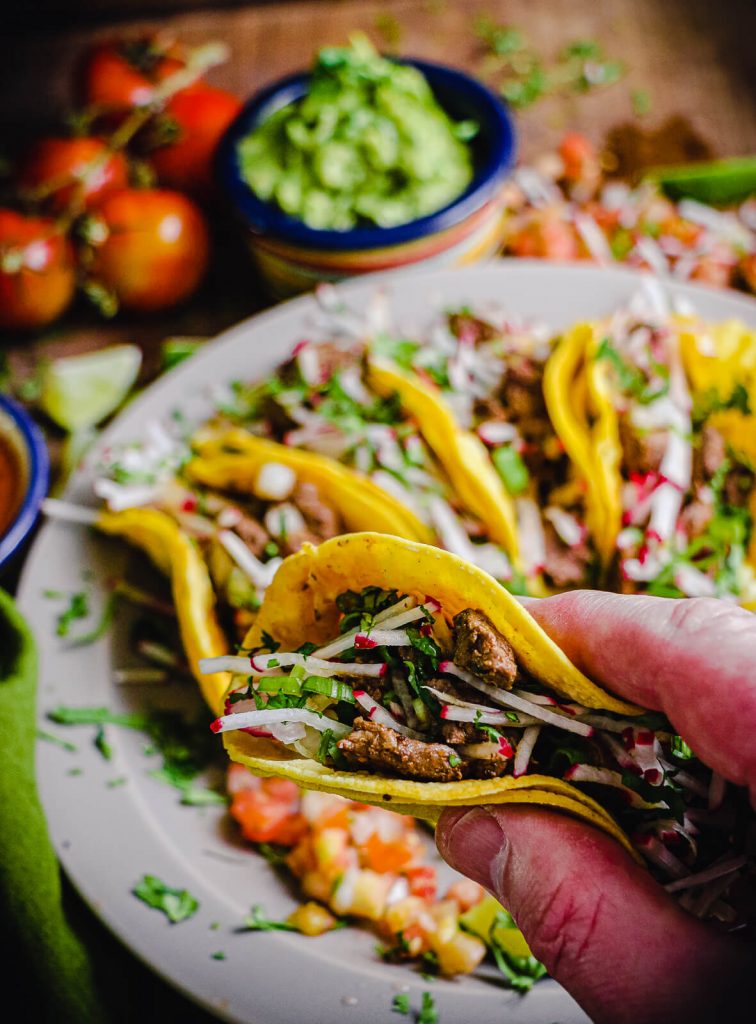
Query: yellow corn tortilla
column 175, row 554
column 234, row 458
column 462, row 454
column 299, row 606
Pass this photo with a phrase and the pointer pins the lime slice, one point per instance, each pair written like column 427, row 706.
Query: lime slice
column 78, row 392
column 717, row 182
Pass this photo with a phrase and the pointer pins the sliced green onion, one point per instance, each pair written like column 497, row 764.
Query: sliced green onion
column 329, row 688
column 280, row 684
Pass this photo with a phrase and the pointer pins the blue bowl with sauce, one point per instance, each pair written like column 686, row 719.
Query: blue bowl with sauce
column 24, row 477
column 293, row 257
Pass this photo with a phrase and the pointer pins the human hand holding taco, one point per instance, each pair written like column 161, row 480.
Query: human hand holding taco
column 599, row 923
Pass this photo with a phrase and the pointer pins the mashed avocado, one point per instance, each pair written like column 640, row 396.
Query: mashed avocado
column 367, row 145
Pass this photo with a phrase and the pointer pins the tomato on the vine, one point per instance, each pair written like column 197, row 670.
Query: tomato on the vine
column 192, row 125
column 37, row 271
column 120, row 74
column 153, row 249
column 75, row 172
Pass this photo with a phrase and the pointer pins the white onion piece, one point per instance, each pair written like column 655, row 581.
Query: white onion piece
column 594, row 238
column 275, row 481
column 283, row 520
column 569, row 530
column 497, row 432
column 452, row 713
column 486, row 751
column 287, row 732
column 511, row 700
column 67, row 512
column 525, row 750
column 451, row 532
column 259, row 573
column 272, row 716
column 532, row 539
column 309, row 364
column 378, row 714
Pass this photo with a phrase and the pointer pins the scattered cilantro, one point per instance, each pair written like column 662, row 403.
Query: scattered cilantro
column 51, row 738
column 707, row 402
column 102, row 744
column 630, row 379
column 681, row 749
column 218, row 955
column 401, row 1003
column 641, row 102
column 78, row 608
column 428, row 1012
column 454, row 760
column 258, row 922
column 359, row 609
column 176, row 904
column 268, row 643
column 116, row 783
column 175, row 350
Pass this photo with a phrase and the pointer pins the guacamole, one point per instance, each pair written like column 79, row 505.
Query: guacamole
column 367, row 145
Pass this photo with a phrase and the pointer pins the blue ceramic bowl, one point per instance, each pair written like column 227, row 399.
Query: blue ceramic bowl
column 28, row 446
column 293, row 256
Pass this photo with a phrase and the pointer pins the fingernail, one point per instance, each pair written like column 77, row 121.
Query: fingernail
column 473, row 842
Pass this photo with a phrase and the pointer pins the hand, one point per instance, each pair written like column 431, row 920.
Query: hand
column 598, row 921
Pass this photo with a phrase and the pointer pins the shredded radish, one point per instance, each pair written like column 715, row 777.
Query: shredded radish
column 694, row 583
column 382, row 638
column 569, row 530
column 67, row 512
column 378, row 714
column 725, row 867
column 457, row 702
column 399, row 614
column 259, row 573
column 656, row 852
column 525, row 750
column 607, row 777
column 269, row 664
column 268, row 717
column 518, row 703
column 453, row 713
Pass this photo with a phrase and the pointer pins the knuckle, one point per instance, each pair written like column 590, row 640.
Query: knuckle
column 566, row 929
column 693, row 614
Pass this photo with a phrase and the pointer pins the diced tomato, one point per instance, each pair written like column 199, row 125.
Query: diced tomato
column 391, row 856
column 578, row 155
column 267, row 820
column 281, row 789
column 545, row 236
column 465, row 893
column 422, row 881
column 338, row 817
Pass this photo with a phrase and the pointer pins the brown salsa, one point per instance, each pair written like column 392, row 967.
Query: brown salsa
column 10, row 482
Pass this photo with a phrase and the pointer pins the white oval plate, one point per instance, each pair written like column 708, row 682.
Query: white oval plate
column 108, row 836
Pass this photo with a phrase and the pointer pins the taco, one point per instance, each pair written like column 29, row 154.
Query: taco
column 673, row 443
column 348, row 399
column 396, row 674
column 493, row 383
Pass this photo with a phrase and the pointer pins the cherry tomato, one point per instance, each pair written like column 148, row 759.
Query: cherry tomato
column 37, row 271
column 194, row 122
column 119, row 74
column 155, row 249
column 72, row 171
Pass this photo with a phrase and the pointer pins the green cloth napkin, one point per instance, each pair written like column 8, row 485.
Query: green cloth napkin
column 63, row 963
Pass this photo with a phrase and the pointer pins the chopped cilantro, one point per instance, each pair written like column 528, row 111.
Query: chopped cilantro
column 256, row 921
column 454, row 760
column 681, row 749
column 176, row 904
column 630, row 379
column 268, row 643
column 102, row 744
column 641, row 102
column 428, row 1012
column 78, row 608
column 51, row 738
column 218, row 955
column 710, row 401
column 401, row 1003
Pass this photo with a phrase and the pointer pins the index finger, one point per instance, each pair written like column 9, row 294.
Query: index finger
column 694, row 659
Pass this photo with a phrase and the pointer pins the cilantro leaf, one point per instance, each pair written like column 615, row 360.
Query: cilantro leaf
column 176, row 904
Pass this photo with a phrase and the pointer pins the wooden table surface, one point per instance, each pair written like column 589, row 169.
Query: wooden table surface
column 693, row 58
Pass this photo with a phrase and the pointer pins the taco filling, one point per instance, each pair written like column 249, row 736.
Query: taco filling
column 400, row 693
column 684, row 487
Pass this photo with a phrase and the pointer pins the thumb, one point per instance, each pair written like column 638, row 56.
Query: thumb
column 598, row 921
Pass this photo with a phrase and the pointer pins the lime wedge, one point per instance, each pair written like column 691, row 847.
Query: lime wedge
column 78, row 392
column 717, row 182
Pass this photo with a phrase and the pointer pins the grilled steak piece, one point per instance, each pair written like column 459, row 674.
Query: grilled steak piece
column 480, row 648
column 642, row 452
column 322, row 520
column 374, row 746
column 253, row 533
column 565, row 566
